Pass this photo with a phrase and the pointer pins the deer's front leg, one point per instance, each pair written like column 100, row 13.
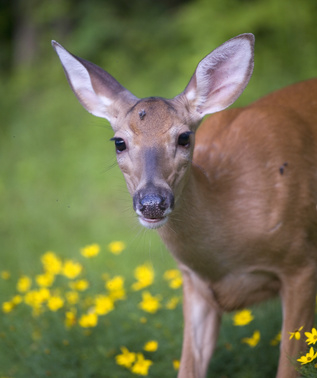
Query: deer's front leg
column 298, row 302
column 202, row 321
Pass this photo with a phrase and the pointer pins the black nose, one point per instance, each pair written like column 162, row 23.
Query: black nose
column 153, row 204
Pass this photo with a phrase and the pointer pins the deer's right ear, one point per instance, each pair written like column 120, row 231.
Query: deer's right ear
column 97, row 91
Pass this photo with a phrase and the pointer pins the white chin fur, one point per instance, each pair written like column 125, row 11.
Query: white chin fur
column 153, row 223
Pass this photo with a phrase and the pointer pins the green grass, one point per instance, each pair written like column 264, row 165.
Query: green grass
column 41, row 345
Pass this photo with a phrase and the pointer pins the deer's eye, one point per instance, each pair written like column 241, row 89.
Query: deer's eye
column 184, row 139
column 120, row 144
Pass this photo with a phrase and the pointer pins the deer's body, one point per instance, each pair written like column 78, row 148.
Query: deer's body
column 252, row 160
column 238, row 211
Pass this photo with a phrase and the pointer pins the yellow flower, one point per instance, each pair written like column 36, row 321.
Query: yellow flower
column 88, row 320
column 253, row 340
column 70, row 318
column 174, row 277
column 126, row 358
column 141, row 366
column 72, row 297
column 24, row 284
column 242, row 318
column 7, row 307
column 80, row 285
column 90, row 250
column 311, row 336
column 116, row 288
column 296, row 333
column 54, row 303
column 71, row 269
column 176, row 364
column 171, row 274
column 172, row 303
column 5, row 275
column 144, row 275
column 45, row 280
column 276, row 340
column 17, row 299
column 151, row 346
column 150, row 303
column 35, row 299
column 116, row 247
column 51, row 263
column 309, row 357
column 103, row 305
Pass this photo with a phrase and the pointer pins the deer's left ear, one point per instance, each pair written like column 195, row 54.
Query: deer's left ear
column 96, row 89
column 221, row 76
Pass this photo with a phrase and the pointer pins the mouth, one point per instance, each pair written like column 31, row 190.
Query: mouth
column 153, row 223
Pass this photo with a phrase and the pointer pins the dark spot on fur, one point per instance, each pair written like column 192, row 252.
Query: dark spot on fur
column 282, row 168
column 142, row 114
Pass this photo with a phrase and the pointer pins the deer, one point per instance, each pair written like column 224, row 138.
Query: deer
column 233, row 197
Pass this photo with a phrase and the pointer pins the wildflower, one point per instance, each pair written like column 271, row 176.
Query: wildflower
column 72, row 297
column 115, row 287
column 311, row 336
column 5, row 275
column 17, row 299
column 296, row 333
column 103, row 304
column 174, row 277
column 176, row 364
column 54, row 303
column 116, row 247
column 242, row 318
column 125, row 359
column 151, row 346
column 141, row 366
column 150, row 303
column 7, row 307
column 253, row 340
column 276, row 340
column 71, row 269
column 88, row 320
column 309, row 357
column 144, row 275
column 90, row 250
column 32, row 299
column 51, row 263
column 172, row 303
column 24, row 284
column 45, row 280
column 80, row 285
column 70, row 318
column 35, row 299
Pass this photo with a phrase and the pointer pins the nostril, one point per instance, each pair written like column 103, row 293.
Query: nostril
column 163, row 205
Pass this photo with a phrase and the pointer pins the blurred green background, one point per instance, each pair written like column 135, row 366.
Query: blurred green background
column 60, row 188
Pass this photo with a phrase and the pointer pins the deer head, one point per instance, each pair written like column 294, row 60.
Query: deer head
column 154, row 137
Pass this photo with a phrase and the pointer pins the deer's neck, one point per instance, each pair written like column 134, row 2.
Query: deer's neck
column 193, row 225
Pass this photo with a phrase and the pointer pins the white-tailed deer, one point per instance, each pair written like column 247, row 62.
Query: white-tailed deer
column 234, row 201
